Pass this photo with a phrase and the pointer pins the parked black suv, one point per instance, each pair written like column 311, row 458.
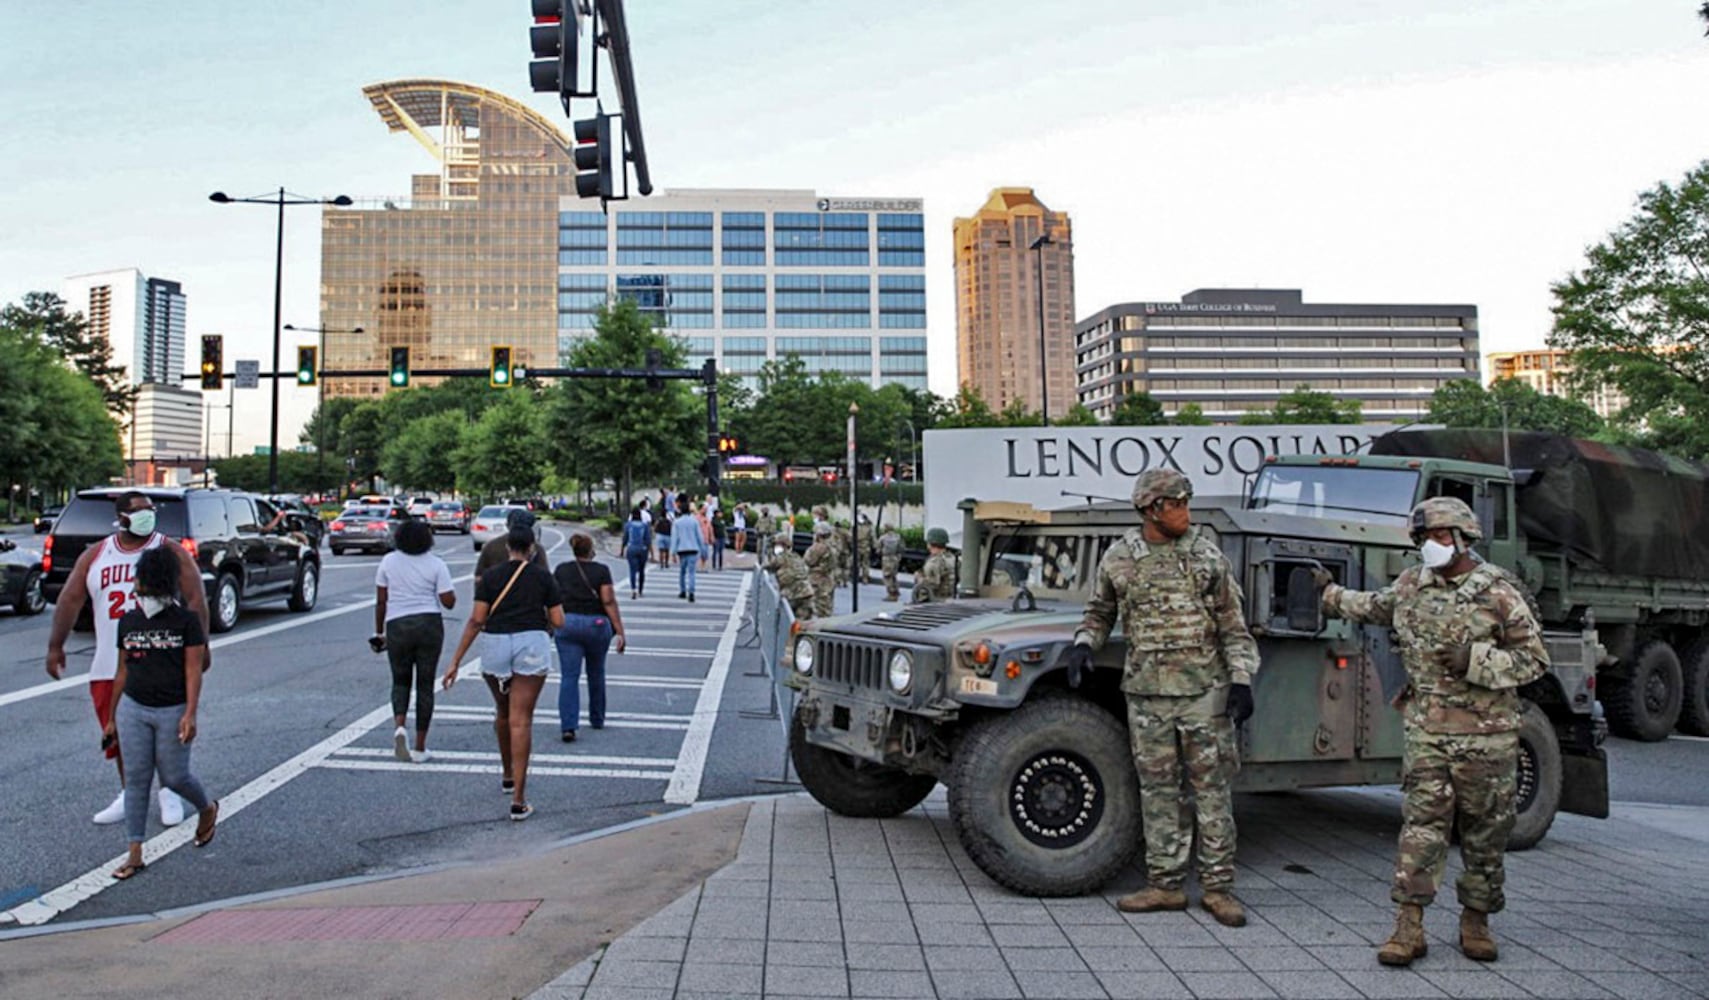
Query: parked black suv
column 223, row 531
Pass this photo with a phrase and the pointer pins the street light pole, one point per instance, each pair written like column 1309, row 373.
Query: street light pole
column 1038, row 244
column 281, row 200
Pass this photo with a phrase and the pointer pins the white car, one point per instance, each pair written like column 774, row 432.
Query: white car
column 490, row 522
column 420, row 506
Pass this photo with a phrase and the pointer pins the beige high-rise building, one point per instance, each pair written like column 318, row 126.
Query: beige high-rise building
column 998, row 323
column 1545, row 370
column 468, row 260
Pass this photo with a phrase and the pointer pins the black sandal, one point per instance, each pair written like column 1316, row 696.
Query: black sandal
column 128, row 869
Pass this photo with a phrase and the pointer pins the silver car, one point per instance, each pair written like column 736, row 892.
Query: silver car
column 368, row 529
column 490, row 523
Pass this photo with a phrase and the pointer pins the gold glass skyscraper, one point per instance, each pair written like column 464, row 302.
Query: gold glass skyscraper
column 997, row 317
column 466, row 261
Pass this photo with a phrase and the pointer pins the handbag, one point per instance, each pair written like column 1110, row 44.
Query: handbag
column 501, row 594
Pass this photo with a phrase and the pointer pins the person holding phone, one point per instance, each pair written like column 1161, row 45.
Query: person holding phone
column 411, row 586
column 157, row 689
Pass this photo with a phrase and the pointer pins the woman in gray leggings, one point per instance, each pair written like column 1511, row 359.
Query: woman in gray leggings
column 155, row 693
column 411, row 586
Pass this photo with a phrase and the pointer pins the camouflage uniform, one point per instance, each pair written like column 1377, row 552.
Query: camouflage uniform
column 1180, row 608
column 1462, row 733
column 863, row 549
column 845, row 554
column 821, row 560
column 793, row 582
column 937, row 578
column 890, row 561
column 764, row 528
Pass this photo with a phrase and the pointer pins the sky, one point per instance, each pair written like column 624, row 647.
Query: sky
column 1427, row 152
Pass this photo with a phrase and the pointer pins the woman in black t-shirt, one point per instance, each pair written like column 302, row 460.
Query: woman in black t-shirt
column 591, row 622
column 161, row 655
column 517, row 606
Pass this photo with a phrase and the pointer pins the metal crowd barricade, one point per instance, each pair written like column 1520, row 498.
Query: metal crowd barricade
column 772, row 622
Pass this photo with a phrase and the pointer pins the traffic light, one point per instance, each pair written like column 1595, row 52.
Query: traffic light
column 655, row 358
column 499, row 373
column 598, row 155
column 307, row 364
column 554, row 38
column 400, row 367
column 728, row 445
column 213, row 360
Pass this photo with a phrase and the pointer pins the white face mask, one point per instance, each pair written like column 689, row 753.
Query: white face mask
column 140, row 522
column 777, row 549
column 152, row 606
column 1435, row 554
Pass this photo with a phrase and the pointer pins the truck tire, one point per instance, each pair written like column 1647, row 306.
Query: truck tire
column 1538, row 794
column 851, row 787
column 1045, row 799
column 306, row 590
column 1694, row 706
column 1645, row 706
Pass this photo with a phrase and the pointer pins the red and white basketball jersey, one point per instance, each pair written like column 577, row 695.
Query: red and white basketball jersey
column 112, row 592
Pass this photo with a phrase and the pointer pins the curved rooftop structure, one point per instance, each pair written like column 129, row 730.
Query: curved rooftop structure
column 414, row 106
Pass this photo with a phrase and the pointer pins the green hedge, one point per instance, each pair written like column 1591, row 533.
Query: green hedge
column 810, row 495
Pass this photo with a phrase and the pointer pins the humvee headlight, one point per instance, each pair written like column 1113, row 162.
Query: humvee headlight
column 804, row 655
column 901, row 671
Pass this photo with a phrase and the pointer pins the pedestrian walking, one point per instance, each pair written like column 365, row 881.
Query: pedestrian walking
column 794, row 581
column 739, row 524
column 103, row 577
column 821, row 561
column 765, row 527
column 517, row 608
column 1188, row 682
column 890, row 561
column 718, row 539
column 688, row 544
column 1468, row 642
column 412, row 587
column 937, row 578
column 662, row 524
column 591, row 624
column 157, row 687
column 496, row 550
column 637, row 550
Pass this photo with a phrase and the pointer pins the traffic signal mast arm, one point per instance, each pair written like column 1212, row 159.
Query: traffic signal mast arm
column 696, row 374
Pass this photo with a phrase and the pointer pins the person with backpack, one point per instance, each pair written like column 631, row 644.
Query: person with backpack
column 637, row 549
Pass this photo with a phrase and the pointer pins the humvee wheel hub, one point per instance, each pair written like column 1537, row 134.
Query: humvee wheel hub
column 1056, row 799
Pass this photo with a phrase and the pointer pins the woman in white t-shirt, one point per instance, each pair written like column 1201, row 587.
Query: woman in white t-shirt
column 410, row 587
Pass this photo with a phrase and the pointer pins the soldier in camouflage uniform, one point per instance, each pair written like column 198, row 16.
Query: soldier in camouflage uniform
column 1468, row 641
column 764, row 528
column 1187, row 678
column 794, row 580
column 863, row 550
column 890, row 560
column 936, row 579
column 821, row 560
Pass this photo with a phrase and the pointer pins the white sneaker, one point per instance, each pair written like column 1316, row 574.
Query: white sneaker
column 400, row 745
column 420, row 756
column 113, row 813
column 171, row 807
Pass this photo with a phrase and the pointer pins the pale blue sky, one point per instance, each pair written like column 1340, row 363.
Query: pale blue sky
column 1365, row 152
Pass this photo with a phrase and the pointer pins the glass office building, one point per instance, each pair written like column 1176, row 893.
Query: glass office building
column 745, row 277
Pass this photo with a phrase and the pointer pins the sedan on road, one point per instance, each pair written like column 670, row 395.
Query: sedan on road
column 490, row 523
column 44, row 523
column 368, row 529
column 448, row 515
column 20, row 579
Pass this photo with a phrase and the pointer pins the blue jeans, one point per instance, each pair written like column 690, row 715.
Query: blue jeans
column 583, row 637
column 717, row 552
column 637, row 556
column 685, row 571
column 149, row 739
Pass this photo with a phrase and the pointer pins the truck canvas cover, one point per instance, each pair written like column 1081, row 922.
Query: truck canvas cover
column 1606, row 507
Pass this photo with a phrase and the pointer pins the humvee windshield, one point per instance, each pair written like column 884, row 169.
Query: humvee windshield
column 1383, row 496
column 1043, row 563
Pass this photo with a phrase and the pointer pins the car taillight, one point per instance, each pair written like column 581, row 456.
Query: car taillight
column 189, row 546
column 338, row 526
column 47, row 555
column 378, row 527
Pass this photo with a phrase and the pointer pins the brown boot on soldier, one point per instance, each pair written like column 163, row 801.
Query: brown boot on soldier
column 1475, row 939
column 1151, row 900
column 1407, row 941
column 1225, row 908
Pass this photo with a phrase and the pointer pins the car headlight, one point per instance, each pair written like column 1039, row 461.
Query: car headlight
column 901, row 671
column 804, row 655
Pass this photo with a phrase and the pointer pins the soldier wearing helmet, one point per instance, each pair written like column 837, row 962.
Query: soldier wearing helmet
column 936, row 581
column 1468, row 642
column 1187, row 678
column 821, row 558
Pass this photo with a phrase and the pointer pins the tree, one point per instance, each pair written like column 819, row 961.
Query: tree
column 1191, row 415
column 616, row 429
column 1138, row 409
column 506, row 451
column 423, row 455
column 1465, row 403
column 43, row 317
column 59, row 434
column 1077, row 416
column 968, row 409
column 1305, row 405
column 327, row 438
column 1636, row 317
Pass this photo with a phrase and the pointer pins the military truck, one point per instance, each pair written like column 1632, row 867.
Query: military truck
column 1614, row 536
column 1042, row 789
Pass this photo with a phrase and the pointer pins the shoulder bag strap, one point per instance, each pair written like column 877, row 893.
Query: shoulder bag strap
column 501, row 594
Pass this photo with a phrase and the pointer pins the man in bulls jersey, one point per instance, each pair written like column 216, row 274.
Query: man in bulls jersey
column 105, row 576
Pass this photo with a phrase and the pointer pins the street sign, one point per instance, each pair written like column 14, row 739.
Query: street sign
column 248, row 374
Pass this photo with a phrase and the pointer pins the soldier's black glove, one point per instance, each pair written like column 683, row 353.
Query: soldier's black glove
column 1239, row 703
column 1078, row 659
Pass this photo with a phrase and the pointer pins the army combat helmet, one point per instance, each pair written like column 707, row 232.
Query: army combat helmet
column 1158, row 484
column 1445, row 512
column 937, row 536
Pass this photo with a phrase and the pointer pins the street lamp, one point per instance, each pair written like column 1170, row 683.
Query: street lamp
column 320, row 390
column 280, row 199
column 1039, row 242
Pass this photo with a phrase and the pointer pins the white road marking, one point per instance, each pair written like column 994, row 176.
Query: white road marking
column 456, row 756
column 691, row 759
column 645, row 651
column 1690, row 739
column 534, row 769
column 461, row 714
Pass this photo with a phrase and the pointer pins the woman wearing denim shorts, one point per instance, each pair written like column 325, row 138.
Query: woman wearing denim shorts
column 517, row 607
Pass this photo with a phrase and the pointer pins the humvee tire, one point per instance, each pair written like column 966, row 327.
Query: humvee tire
column 1045, row 799
column 1645, row 705
column 851, row 787
column 1694, row 710
column 1538, row 794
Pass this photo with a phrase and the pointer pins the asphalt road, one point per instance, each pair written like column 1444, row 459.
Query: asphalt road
column 295, row 739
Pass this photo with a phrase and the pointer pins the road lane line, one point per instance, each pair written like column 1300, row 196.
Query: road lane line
column 456, row 756
column 534, row 769
column 691, row 759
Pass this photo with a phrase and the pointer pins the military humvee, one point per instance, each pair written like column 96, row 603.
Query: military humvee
column 1041, row 784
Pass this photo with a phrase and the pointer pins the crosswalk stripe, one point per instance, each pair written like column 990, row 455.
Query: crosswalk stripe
column 493, row 768
column 454, row 756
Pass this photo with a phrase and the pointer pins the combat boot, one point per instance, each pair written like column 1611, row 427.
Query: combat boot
column 1407, row 941
column 1475, row 939
column 1225, row 908
column 1150, row 900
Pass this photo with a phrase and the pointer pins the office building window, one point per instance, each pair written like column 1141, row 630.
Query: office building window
column 744, row 239
column 820, row 239
column 744, row 301
column 823, row 301
column 673, row 301
column 664, row 238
